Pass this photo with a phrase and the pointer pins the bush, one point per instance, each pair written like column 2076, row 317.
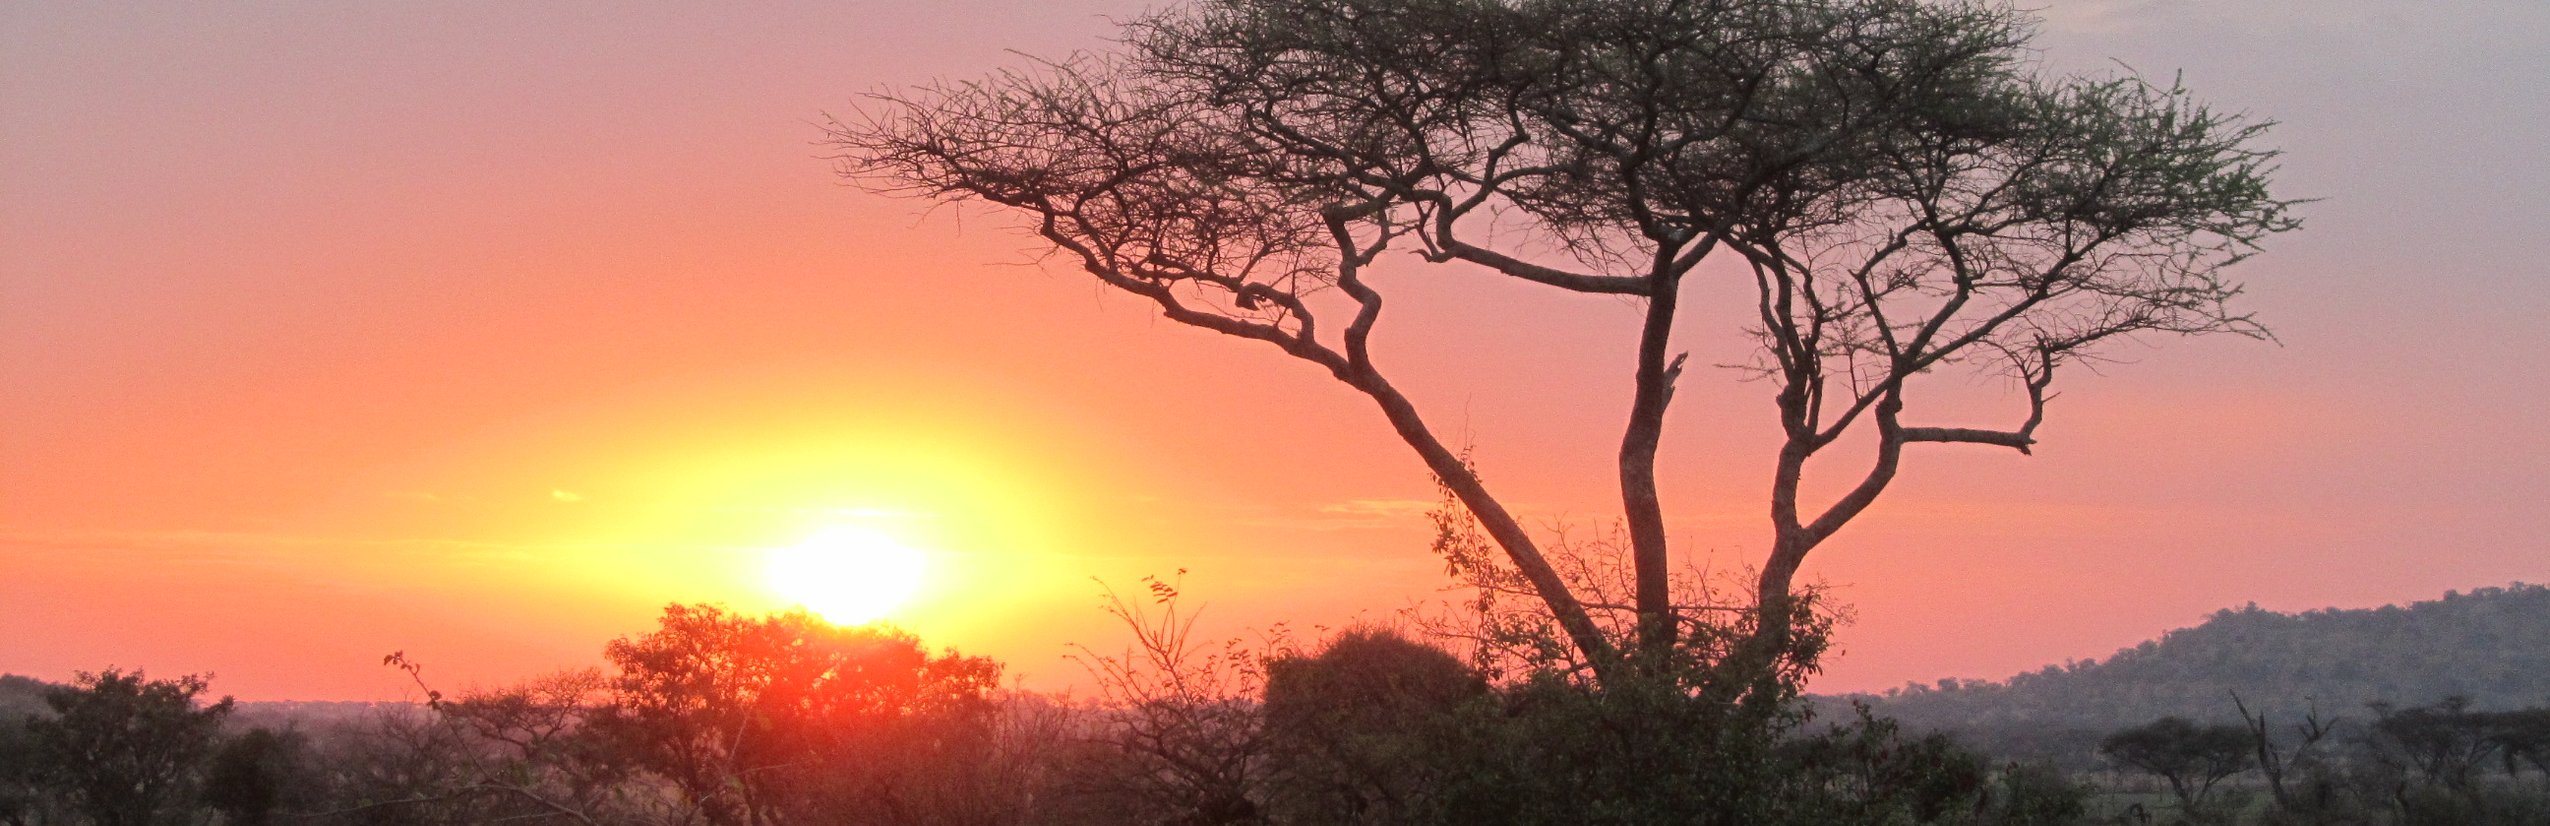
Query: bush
column 1356, row 733
column 2030, row 794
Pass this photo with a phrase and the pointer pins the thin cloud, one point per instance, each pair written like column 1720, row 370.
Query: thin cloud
column 1352, row 514
column 1388, row 508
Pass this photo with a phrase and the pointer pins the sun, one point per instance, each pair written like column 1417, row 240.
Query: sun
column 849, row 575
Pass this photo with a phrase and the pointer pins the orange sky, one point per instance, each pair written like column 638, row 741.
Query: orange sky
column 481, row 331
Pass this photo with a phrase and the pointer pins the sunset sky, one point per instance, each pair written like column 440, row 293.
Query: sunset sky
column 481, row 331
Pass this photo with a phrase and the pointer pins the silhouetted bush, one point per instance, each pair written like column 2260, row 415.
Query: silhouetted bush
column 2029, row 794
column 1868, row 771
column 254, row 775
column 1358, row 733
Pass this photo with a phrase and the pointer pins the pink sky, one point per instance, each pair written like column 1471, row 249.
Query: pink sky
column 481, row 331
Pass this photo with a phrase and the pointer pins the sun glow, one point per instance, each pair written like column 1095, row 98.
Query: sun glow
column 850, row 576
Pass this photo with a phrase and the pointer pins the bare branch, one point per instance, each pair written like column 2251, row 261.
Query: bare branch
column 1909, row 198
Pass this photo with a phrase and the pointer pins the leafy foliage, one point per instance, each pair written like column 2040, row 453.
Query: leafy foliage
column 739, row 712
column 1356, row 731
column 127, row 748
column 714, row 718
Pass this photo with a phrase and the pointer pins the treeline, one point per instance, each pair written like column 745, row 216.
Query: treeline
column 716, row 719
column 2445, row 764
column 719, row 719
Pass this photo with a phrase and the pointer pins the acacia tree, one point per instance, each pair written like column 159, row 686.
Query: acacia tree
column 1904, row 191
column 2191, row 757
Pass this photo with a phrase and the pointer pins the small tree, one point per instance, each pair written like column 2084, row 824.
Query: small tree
column 1183, row 736
column 525, row 752
column 2191, row 757
column 2275, row 761
column 127, row 750
column 1905, row 194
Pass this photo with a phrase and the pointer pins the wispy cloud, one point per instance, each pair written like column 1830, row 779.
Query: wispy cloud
column 1349, row 515
column 1386, row 508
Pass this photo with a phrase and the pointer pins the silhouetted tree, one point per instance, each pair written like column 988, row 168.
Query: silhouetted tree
column 127, row 750
column 2446, row 743
column 2191, row 757
column 1904, row 191
column 2274, row 760
column 1182, row 738
column 400, row 766
column 535, row 750
column 2427, row 763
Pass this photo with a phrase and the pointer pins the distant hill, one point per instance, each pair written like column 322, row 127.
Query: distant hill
column 21, row 696
column 2491, row 646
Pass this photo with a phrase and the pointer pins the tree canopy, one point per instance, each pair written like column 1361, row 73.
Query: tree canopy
column 735, row 710
column 1904, row 190
column 2191, row 757
column 125, row 746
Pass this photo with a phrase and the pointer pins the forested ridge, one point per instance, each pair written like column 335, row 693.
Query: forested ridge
column 2490, row 646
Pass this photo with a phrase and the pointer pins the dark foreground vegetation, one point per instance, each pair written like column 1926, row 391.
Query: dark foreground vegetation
column 716, row 718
